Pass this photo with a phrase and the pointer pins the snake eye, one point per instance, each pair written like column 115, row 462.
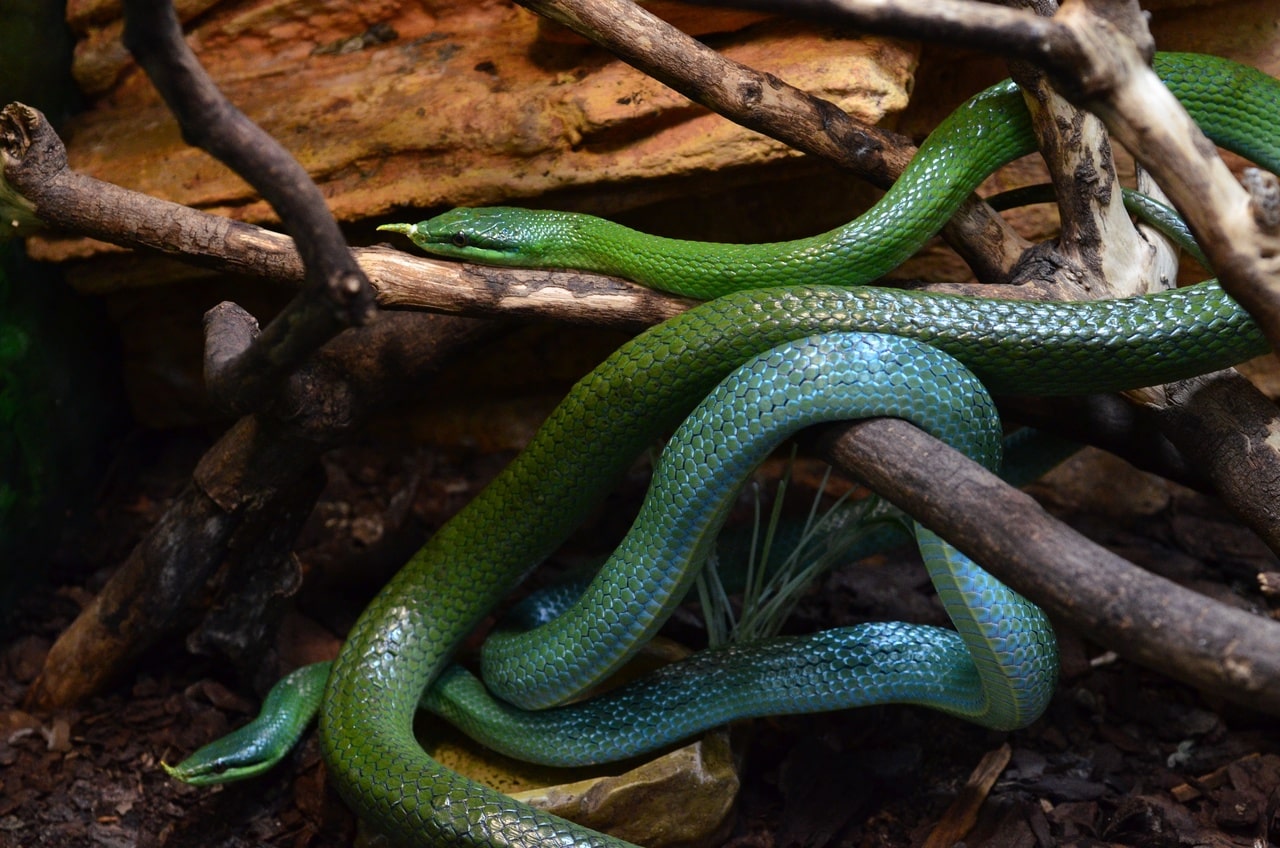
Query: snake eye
column 460, row 240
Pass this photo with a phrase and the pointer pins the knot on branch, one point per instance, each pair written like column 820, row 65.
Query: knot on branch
column 229, row 331
column 355, row 298
column 25, row 134
column 316, row 402
column 1264, row 198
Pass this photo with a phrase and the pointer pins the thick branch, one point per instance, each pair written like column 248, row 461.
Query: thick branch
column 1098, row 252
column 150, row 590
column 1146, row 618
column 979, row 26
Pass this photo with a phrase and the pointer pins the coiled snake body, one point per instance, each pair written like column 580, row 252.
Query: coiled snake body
column 408, row 633
column 406, row 636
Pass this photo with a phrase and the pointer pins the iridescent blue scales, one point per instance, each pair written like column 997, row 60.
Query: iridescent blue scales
column 819, row 379
column 406, row 637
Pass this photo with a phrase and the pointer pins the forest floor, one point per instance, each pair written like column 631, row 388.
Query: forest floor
column 1123, row 756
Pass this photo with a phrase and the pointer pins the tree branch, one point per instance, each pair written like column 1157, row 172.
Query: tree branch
column 337, row 294
column 980, row 26
column 1145, row 618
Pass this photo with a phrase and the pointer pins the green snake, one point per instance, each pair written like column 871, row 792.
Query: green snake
column 407, row 635
column 988, row 131
column 998, row 668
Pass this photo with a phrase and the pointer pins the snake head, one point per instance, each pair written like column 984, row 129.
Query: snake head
column 239, row 755
column 494, row 235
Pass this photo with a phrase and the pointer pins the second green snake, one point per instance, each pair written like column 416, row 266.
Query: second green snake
column 405, row 638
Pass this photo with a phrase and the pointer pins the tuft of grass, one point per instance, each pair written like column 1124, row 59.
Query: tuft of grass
column 784, row 557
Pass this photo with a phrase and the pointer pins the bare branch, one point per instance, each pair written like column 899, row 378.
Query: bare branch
column 337, row 295
column 980, row 26
column 756, row 100
column 251, row 473
column 1098, row 251
column 1146, row 618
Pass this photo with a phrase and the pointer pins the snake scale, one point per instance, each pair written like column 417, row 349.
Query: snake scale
column 407, row 635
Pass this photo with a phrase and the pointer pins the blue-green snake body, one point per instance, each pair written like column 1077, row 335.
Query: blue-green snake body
column 405, row 638
column 695, row 484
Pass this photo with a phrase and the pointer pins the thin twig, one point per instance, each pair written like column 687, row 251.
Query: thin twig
column 979, row 26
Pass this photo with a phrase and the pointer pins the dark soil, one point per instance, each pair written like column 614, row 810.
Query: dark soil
column 1124, row 756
